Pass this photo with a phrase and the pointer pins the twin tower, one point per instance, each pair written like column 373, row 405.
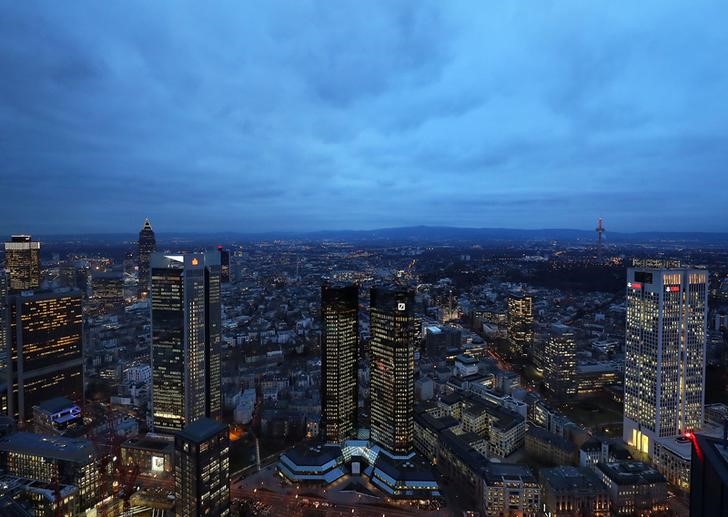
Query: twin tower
column 393, row 330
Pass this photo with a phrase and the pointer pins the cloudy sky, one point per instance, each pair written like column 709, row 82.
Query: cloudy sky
column 298, row 115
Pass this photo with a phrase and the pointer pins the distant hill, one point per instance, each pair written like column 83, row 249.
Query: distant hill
column 421, row 234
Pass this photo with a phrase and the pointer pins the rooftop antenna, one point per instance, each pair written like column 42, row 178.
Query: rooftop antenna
column 600, row 230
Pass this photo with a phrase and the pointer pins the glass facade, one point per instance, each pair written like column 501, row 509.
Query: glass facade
column 146, row 246
column 45, row 354
column 22, row 262
column 392, row 347
column 664, row 354
column 339, row 355
column 186, row 339
column 202, row 470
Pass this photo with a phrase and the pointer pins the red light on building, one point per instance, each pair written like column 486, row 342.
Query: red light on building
column 672, row 289
column 634, row 285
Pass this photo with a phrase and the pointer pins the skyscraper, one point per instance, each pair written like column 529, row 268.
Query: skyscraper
column 520, row 322
column 392, row 347
column 22, row 262
column 45, row 354
column 224, row 265
column 4, row 339
column 559, row 359
column 147, row 245
column 339, row 354
column 186, row 319
column 202, row 469
column 664, row 371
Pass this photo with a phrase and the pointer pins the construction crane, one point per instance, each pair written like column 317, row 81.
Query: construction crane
column 116, row 478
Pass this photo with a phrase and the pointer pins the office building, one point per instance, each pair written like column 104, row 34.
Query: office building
column 202, row 469
column 520, row 323
column 45, row 350
column 559, row 362
column 664, row 373
column 392, row 347
column 69, row 461
column 709, row 476
column 224, row 265
column 154, row 454
column 22, row 263
column 573, row 491
column 146, row 246
column 634, row 488
column 339, row 355
column 4, row 340
column 185, row 299
column 108, row 289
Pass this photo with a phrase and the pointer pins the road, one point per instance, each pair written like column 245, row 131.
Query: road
column 293, row 506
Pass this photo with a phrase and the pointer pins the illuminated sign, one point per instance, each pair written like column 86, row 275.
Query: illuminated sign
column 157, row 463
column 672, row 288
column 195, row 261
column 634, row 285
column 401, row 306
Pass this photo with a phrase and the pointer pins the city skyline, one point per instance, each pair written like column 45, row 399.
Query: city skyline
column 388, row 115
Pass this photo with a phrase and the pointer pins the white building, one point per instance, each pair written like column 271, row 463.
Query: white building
column 664, row 373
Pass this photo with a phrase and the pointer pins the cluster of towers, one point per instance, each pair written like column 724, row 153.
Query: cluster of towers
column 393, row 330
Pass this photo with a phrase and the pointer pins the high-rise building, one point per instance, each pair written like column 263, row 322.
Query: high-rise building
column 559, row 361
column 146, row 246
column 22, row 262
column 108, row 289
column 45, row 350
column 709, row 476
column 202, row 469
column 392, row 347
column 520, row 323
column 224, row 265
column 4, row 339
column 664, row 371
column 339, row 354
column 186, row 334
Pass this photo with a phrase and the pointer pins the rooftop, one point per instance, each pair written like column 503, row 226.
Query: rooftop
column 553, row 439
column 313, row 455
column 78, row 450
column 631, row 473
column 566, row 477
column 56, row 405
column 201, row 430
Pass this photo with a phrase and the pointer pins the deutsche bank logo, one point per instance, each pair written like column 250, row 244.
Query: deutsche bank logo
column 401, row 306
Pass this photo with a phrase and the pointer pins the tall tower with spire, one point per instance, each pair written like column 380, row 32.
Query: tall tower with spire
column 147, row 246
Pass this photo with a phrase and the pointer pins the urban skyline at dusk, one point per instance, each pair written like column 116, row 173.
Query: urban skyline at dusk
column 372, row 259
column 278, row 116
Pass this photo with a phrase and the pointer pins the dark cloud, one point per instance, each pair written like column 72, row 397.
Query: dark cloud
column 316, row 115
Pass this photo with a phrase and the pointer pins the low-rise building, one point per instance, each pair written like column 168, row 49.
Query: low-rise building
column 573, row 491
column 550, row 447
column 510, row 489
column 58, row 416
column 70, row 461
column 153, row 453
column 672, row 458
column 634, row 487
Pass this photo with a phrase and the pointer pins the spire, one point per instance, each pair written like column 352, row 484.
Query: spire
column 147, row 224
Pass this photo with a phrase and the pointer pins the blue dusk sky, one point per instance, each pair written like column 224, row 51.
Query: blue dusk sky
column 298, row 115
